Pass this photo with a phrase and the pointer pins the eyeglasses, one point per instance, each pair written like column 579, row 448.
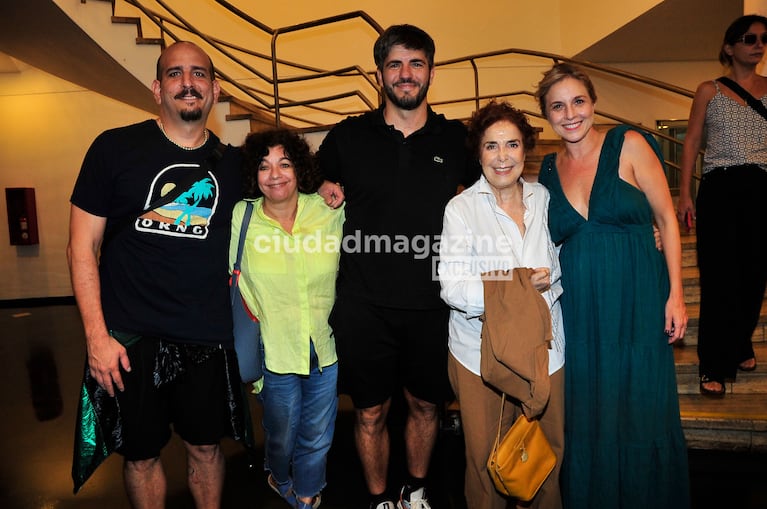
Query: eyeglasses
column 750, row 39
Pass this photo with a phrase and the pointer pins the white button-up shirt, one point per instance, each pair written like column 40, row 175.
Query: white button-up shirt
column 478, row 236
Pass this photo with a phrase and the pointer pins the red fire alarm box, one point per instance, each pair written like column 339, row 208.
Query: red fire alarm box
column 22, row 215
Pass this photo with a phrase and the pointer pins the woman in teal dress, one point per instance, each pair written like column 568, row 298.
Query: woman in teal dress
column 622, row 306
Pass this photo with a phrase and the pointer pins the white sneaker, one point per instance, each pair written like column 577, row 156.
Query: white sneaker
column 383, row 505
column 417, row 500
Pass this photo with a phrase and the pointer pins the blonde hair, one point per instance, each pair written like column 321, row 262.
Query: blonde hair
column 557, row 73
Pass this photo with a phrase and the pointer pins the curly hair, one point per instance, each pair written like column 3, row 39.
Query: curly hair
column 557, row 73
column 257, row 146
column 735, row 31
column 493, row 112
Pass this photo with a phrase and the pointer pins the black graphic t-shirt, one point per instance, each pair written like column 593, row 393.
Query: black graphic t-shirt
column 165, row 273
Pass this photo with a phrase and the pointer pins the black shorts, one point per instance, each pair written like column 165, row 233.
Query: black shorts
column 383, row 349
column 194, row 403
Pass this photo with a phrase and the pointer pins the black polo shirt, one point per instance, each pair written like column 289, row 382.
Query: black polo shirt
column 396, row 191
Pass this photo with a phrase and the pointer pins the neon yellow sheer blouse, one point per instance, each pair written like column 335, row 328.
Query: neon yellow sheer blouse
column 288, row 280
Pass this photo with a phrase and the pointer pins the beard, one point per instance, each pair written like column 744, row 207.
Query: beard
column 406, row 102
column 191, row 115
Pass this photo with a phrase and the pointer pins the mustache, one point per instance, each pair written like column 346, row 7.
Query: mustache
column 188, row 91
column 406, row 80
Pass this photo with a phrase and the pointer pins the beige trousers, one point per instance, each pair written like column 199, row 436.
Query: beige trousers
column 480, row 405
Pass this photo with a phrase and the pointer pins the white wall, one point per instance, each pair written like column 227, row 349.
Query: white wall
column 46, row 127
column 45, row 130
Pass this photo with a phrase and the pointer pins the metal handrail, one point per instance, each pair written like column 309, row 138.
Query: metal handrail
column 581, row 63
column 162, row 21
column 316, row 73
column 272, row 103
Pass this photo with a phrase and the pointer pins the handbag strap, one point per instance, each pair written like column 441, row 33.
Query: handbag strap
column 750, row 99
column 500, row 420
column 241, row 242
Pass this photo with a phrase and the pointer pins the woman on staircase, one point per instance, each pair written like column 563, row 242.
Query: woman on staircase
column 730, row 211
column 622, row 305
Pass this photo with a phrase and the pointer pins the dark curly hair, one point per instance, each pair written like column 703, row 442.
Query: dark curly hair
column 496, row 111
column 735, row 31
column 257, row 146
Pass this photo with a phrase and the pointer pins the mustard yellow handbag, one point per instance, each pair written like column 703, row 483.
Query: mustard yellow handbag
column 521, row 462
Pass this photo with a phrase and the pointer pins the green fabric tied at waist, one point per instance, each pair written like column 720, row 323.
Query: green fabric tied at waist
column 98, row 430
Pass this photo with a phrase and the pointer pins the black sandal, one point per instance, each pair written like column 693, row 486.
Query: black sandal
column 711, row 392
column 747, row 368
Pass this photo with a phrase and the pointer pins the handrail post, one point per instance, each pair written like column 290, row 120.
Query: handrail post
column 275, row 81
column 476, row 83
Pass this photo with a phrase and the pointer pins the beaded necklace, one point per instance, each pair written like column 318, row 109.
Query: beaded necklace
column 204, row 141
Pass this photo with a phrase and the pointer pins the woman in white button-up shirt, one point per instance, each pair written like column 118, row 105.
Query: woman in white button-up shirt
column 498, row 223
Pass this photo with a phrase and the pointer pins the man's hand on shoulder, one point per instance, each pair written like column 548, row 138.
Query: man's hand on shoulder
column 332, row 193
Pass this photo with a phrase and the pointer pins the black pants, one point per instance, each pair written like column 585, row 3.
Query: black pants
column 730, row 233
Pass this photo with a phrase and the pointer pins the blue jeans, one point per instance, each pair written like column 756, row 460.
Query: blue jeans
column 299, row 420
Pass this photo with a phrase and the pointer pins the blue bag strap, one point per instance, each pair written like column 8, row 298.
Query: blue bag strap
column 241, row 243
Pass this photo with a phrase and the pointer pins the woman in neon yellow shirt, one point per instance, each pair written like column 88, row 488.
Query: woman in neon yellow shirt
column 289, row 266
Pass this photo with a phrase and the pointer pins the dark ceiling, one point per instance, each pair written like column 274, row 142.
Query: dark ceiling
column 38, row 33
column 672, row 31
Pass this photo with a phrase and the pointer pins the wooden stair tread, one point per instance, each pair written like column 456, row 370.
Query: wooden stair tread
column 734, row 411
column 690, row 275
column 131, row 20
column 737, row 422
column 239, row 116
column 688, row 356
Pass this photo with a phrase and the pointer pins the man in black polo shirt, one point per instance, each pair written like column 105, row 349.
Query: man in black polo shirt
column 399, row 166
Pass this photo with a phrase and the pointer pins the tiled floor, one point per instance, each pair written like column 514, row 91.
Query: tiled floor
column 41, row 360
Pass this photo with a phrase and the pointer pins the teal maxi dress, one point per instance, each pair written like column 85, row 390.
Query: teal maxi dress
column 624, row 446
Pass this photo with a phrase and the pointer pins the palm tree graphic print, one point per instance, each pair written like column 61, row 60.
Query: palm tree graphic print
column 189, row 214
column 192, row 198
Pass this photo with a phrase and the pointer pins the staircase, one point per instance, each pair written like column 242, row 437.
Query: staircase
column 737, row 422
column 535, row 157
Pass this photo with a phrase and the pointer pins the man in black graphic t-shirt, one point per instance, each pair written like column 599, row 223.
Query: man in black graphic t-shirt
column 150, row 279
